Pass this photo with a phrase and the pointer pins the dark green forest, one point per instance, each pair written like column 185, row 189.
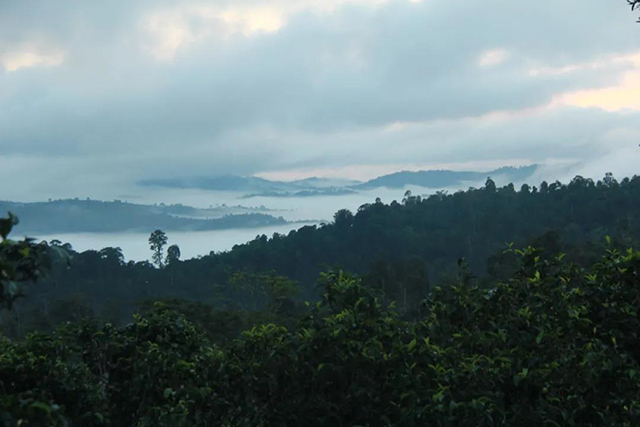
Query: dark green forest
column 491, row 306
column 404, row 248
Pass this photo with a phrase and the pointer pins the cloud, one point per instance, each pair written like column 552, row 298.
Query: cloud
column 148, row 88
column 15, row 60
column 623, row 96
column 493, row 57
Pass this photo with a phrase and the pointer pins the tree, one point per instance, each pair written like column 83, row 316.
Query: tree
column 157, row 241
column 634, row 4
column 113, row 256
column 20, row 262
column 343, row 219
column 173, row 254
column 490, row 185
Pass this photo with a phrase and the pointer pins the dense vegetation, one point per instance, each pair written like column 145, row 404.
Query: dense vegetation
column 553, row 345
column 446, row 178
column 403, row 248
column 445, row 324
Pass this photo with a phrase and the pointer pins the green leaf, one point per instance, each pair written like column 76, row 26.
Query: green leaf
column 41, row 405
column 7, row 224
column 539, row 337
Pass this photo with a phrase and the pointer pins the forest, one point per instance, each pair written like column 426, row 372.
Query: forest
column 490, row 306
column 404, row 248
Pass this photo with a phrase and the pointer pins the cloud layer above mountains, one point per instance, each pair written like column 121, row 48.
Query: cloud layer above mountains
column 104, row 92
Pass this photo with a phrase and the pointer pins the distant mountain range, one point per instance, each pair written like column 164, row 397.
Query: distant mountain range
column 74, row 216
column 446, row 178
column 247, row 184
column 255, row 186
column 332, row 191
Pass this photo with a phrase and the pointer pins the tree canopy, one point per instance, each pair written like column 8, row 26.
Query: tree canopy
column 404, row 247
column 553, row 344
column 157, row 241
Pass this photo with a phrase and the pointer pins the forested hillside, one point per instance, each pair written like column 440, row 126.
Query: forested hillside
column 404, row 248
column 479, row 297
column 553, row 344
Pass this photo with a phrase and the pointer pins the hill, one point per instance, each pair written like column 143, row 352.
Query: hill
column 446, row 178
column 306, row 187
column 73, row 216
column 405, row 248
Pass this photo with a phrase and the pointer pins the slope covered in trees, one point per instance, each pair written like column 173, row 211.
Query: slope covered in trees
column 543, row 336
column 446, row 178
column 403, row 248
column 552, row 345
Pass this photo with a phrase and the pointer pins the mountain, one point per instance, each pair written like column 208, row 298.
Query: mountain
column 220, row 183
column 251, row 184
column 74, row 215
column 445, row 178
column 255, row 186
column 315, row 182
column 407, row 247
column 330, row 191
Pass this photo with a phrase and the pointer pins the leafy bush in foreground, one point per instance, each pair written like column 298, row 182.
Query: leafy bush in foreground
column 552, row 345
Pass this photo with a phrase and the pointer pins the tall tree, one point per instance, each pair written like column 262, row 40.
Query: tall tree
column 490, row 185
column 157, row 241
column 343, row 219
column 173, row 254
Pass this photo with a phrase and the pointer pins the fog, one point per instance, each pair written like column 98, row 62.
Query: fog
column 299, row 210
column 135, row 245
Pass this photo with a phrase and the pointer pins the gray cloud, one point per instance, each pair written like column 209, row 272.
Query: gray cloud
column 320, row 91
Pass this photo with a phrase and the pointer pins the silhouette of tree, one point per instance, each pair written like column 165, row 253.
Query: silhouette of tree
column 343, row 219
column 173, row 254
column 634, row 4
column 490, row 185
column 21, row 262
column 157, row 241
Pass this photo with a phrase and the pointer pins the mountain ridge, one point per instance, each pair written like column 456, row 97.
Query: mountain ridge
column 261, row 186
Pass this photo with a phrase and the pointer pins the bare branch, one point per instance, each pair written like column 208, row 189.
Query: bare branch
column 635, row 4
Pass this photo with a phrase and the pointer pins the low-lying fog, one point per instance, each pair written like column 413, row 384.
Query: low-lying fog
column 135, row 245
column 302, row 210
column 299, row 211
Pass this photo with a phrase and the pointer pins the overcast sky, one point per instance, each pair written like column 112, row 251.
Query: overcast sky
column 105, row 93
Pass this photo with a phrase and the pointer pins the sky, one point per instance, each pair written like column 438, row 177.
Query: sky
column 99, row 94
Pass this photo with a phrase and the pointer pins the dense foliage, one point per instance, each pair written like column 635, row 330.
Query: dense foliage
column 21, row 262
column 552, row 345
column 404, row 248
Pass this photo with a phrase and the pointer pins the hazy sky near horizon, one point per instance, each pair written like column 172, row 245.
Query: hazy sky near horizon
column 94, row 94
